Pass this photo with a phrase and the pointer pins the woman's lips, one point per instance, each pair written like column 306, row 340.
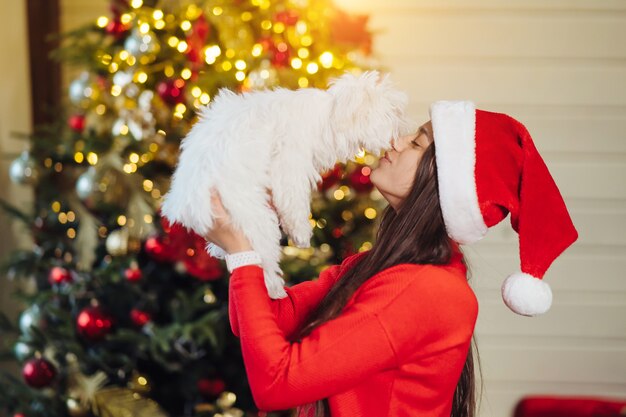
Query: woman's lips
column 386, row 157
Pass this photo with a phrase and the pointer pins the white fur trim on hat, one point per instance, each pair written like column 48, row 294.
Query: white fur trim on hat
column 526, row 294
column 454, row 127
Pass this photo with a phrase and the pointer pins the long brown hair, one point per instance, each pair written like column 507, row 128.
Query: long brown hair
column 415, row 233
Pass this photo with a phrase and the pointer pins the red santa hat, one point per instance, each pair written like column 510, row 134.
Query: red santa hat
column 488, row 167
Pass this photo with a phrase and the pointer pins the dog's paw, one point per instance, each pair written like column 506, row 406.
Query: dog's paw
column 303, row 244
column 303, row 240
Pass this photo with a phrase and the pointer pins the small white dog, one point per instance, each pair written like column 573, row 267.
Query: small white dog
column 279, row 140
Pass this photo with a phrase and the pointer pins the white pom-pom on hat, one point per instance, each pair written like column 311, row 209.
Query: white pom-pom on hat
column 526, row 295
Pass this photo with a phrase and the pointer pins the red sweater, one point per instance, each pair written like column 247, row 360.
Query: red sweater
column 397, row 349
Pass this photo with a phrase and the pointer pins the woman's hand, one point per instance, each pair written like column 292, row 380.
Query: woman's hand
column 224, row 233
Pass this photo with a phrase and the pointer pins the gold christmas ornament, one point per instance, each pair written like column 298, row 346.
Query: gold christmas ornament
column 124, row 402
column 98, row 187
column 226, row 400
column 117, row 242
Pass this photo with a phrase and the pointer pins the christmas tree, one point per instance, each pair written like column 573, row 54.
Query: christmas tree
column 127, row 314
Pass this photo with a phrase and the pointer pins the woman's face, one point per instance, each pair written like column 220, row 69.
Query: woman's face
column 394, row 174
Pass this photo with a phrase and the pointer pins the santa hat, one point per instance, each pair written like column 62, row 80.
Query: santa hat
column 488, row 167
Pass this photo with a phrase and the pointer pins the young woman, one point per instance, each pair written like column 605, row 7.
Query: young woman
column 388, row 332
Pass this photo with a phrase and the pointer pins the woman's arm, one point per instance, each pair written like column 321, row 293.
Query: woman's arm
column 332, row 358
column 291, row 311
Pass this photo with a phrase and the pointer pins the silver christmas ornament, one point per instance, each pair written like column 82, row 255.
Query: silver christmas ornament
column 139, row 44
column 24, row 170
column 80, row 90
column 32, row 316
column 23, row 351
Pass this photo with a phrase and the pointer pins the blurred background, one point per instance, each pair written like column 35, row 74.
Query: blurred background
column 78, row 149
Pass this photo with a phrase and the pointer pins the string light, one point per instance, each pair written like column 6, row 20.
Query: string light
column 370, row 213
column 172, row 41
column 312, row 67
column 182, row 46
column 326, row 59
column 279, row 27
column 185, row 74
column 102, row 21
column 142, row 77
column 296, row 63
column 257, row 49
column 147, row 185
column 92, row 158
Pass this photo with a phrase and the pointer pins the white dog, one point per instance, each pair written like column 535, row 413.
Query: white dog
column 280, row 140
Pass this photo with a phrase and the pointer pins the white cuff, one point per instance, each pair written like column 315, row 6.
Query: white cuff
column 237, row 259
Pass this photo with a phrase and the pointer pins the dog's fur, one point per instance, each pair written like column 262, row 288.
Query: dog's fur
column 279, row 140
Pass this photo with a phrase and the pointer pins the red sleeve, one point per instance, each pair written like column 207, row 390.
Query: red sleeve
column 291, row 311
column 335, row 356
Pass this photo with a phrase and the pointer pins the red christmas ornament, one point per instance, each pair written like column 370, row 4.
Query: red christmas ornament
column 210, row 387
column 337, row 233
column 196, row 40
column 199, row 264
column 360, row 179
column 133, row 274
column 59, row 275
column 288, row 17
column 156, row 249
column 171, row 91
column 38, row 372
column 280, row 54
column 330, row 177
column 93, row 323
column 116, row 28
column 139, row 317
column 76, row 123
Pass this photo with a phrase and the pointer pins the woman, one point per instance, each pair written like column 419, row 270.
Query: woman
column 388, row 332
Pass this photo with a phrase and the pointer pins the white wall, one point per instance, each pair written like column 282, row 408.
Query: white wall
column 559, row 67
column 15, row 116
